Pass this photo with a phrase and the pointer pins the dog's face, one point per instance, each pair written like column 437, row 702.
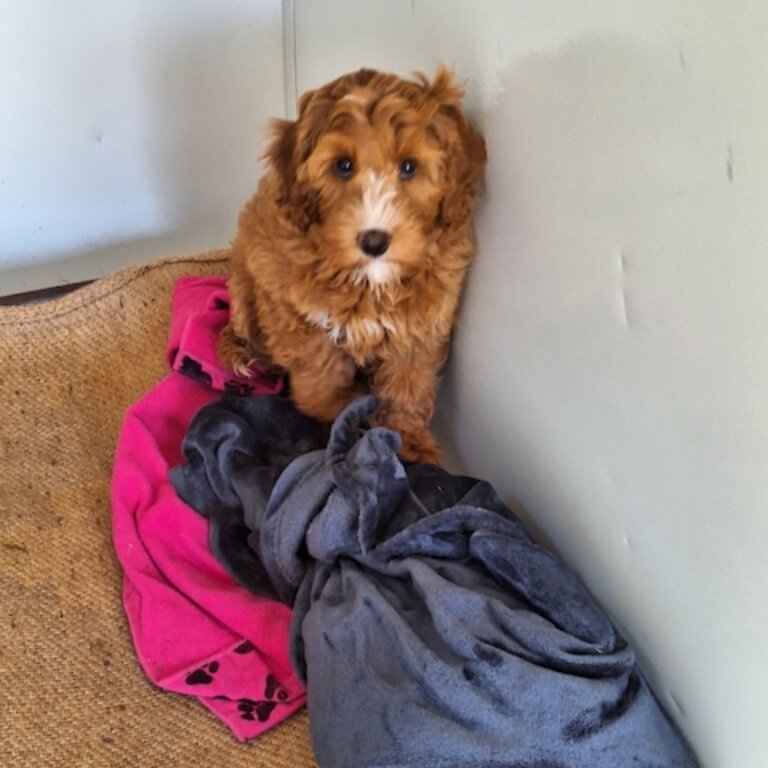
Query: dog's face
column 372, row 172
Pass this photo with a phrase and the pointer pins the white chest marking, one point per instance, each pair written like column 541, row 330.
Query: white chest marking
column 356, row 332
column 322, row 320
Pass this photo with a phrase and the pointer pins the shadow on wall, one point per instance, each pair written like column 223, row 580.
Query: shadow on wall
column 606, row 369
column 574, row 138
column 584, row 236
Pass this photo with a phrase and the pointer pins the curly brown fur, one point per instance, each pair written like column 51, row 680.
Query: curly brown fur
column 368, row 152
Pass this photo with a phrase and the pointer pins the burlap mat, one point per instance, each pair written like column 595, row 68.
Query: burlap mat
column 72, row 691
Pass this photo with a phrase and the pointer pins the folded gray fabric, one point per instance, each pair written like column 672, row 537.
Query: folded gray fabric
column 236, row 448
column 429, row 627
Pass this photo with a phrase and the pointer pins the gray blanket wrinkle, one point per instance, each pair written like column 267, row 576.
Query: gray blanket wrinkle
column 430, row 628
column 229, row 474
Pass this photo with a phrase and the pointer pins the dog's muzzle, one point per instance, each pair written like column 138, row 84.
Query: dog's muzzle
column 374, row 242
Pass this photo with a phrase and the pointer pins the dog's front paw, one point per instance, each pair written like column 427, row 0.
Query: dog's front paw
column 238, row 355
column 233, row 351
column 420, row 447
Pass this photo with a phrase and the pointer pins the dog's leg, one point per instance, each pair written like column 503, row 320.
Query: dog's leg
column 323, row 382
column 407, row 392
column 238, row 353
column 242, row 341
column 232, row 351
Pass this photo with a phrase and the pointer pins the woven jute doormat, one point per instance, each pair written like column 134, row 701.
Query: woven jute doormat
column 72, row 691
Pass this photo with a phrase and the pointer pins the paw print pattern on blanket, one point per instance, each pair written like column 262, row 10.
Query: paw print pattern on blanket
column 245, row 647
column 194, row 370
column 185, row 636
column 253, row 710
column 261, row 710
column 203, row 675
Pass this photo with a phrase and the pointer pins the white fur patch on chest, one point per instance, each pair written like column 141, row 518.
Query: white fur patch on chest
column 323, row 321
column 357, row 332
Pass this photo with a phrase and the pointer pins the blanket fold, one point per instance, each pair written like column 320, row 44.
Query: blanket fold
column 195, row 631
column 429, row 627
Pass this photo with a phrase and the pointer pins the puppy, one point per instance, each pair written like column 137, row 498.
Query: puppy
column 349, row 260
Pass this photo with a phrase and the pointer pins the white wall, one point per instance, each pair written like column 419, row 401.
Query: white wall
column 611, row 367
column 128, row 130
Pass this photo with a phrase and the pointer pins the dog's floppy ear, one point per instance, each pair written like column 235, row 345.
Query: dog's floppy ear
column 289, row 148
column 463, row 147
column 281, row 155
column 293, row 142
column 464, row 170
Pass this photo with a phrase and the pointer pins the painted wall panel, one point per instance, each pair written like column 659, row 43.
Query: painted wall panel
column 128, row 131
column 610, row 366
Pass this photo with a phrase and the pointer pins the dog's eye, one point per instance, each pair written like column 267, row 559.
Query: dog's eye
column 408, row 169
column 343, row 167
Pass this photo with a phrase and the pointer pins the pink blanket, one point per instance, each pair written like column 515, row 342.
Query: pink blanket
column 195, row 631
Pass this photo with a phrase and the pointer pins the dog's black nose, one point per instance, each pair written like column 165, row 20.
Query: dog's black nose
column 373, row 242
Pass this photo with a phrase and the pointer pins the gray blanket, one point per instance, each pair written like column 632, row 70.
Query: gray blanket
column 429, row 627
